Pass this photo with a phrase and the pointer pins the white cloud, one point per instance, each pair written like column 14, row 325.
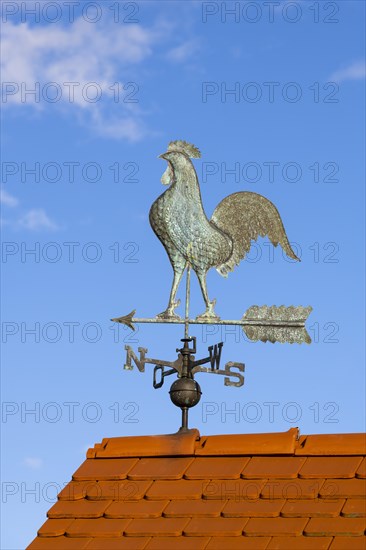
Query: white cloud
column 7, row 199
column 183, row 52
column 81, row 54
column 33, row 463
column 355, row 71
column 36, row 219
column 33, row 220
column 126, row 126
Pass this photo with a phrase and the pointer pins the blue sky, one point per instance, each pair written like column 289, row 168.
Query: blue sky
column 273, row 95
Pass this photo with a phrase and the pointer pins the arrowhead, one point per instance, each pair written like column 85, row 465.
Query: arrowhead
column 126, row 320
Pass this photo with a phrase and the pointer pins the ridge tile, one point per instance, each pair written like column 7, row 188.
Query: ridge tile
column 249, row 444
column 332, row 445
column 180, row 443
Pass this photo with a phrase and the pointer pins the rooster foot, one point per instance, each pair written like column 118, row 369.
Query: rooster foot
column 169, row 312
column 209, row 314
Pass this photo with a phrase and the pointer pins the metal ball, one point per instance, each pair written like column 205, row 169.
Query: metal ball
column 185, row 392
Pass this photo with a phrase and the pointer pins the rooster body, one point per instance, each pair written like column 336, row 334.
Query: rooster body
column 192, row 240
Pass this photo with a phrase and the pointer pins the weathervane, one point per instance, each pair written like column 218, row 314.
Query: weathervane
column 193, row 242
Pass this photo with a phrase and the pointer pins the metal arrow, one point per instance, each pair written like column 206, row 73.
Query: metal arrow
column 264, row 323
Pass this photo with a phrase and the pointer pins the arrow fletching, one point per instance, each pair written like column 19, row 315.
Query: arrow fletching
column 277, row 324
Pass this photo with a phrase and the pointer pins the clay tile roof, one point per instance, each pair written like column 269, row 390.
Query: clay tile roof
column 224, row 492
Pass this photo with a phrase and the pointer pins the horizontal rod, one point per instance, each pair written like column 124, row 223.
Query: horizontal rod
column 241, row 322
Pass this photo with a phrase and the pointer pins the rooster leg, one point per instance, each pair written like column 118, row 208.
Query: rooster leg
column 209, row 313
column 169, row 312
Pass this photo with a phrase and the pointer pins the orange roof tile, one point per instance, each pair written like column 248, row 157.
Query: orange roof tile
column 292, row 488
column 159, row 527
column 180, row 543
column 78, row 509
column 274, row 467
column 122, row 543
column 54, row 527
column 252, row 508
column 216, row 468
column 197, row 508
column 354, row 508
column 183, row 491
column 238, row 489
column 361, row 470
column 338, row 467
column 200, row 527
column 58, row 543
column 159, row 468
column 100, row 527
column 315, row 508
column 321, row 527
column 140, row 509
column 275, row 526
column 117, row 490
column 340, row 543
column 177, row 490
column 343, row 488
column 98, row 470
column 238, row 543
column 300, row 543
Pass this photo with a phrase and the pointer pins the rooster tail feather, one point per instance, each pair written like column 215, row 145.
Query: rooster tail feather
column 288, row 249
column 245, row 216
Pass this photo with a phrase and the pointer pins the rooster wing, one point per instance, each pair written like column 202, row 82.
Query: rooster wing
column 245, row 216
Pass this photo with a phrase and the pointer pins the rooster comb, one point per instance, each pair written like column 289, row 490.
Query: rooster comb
column 184, row 147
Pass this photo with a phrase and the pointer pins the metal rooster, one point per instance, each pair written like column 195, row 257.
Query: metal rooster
column 192, row 240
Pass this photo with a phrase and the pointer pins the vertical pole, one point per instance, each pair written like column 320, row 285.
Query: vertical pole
column 188, row 292
column 184, row 418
